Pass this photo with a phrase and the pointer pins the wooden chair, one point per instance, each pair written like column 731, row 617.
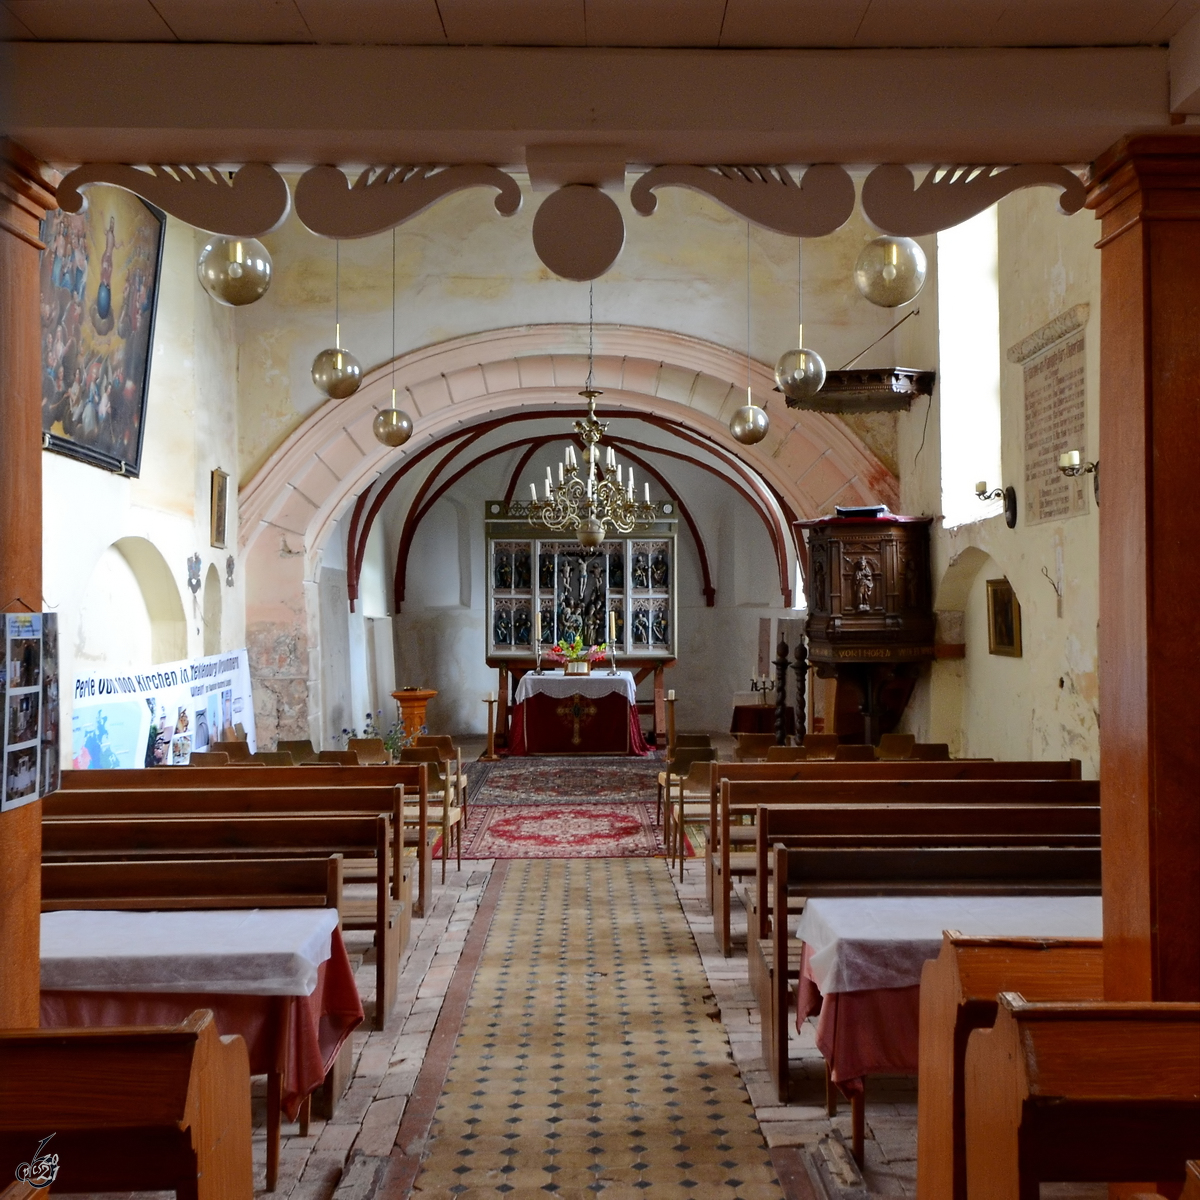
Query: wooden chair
column 272, row 758
column 343, row 758
column 854, row 754
column 786, row 754
column 208, row 758
column 300, row 749
column 958, row 994
column 1084, row 1091
column 450, row 758
column 673, row 771
column 820, row 745
column 930, row 752
column 369, row 751
column 238, row 751
column 449, row 815
column 142, row 1109
column 693, row 786
column 896, row 745
column 753, row 747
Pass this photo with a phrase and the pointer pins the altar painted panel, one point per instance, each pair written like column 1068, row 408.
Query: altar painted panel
column 575, row 589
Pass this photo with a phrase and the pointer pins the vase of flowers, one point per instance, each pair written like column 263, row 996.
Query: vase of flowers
column 575, row 657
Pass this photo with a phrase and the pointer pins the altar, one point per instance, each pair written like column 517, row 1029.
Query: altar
column 556, row 713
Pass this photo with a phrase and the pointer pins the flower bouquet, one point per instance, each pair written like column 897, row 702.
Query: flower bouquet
column 576, row 658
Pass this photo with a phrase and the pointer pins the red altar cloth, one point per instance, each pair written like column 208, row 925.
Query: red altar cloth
column 576, row 725
column 297, row 1037
column 873, row 1032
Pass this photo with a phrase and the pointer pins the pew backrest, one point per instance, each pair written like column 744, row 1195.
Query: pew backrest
column 334, row 775
column 245, row 799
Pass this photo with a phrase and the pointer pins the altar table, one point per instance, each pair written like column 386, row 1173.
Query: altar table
column 280, row 978
column 555, row 713
column 862, row 960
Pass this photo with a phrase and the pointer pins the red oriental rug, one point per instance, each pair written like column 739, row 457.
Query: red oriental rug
column 566, row 780
column 595, row 830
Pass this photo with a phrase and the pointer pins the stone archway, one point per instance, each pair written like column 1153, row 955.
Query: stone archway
column 290, row 509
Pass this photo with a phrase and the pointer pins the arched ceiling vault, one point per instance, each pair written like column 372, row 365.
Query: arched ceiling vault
column 808, row 463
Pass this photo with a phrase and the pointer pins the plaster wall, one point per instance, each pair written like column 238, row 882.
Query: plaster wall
column 107, row 596
column 1045, row 703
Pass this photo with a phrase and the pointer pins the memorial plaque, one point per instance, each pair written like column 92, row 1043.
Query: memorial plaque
column 1055, row 420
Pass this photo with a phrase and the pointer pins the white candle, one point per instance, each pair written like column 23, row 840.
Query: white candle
column 619, row 471
column 560, row 472
column 570, row 455
column 537, row 625
column 491, row 697
column 631, row 481
column 647, row 493
column 547, row 491
column 671, row 694
column 533, row 491
column 612, row 626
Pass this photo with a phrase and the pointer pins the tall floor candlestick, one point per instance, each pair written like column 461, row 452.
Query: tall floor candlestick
column 491, row 755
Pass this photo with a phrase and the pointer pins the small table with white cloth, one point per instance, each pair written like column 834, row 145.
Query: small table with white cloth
column 280, row 978
column 555, row 713
column 862, row 961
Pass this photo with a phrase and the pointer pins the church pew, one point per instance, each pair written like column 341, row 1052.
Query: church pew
column 958, row 994
column 899, row 769
column 131, row 1109
column 411, row 776
column 867, row 850
column 352, row 835
column 155, row 885
column 739, row 800
column 1086, row 1091
column 304, row 793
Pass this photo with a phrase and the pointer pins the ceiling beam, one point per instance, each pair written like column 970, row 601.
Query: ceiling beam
column 286, row 104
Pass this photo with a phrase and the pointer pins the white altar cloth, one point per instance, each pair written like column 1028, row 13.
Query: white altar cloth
column 861, row 943
column 560, row 686
column 259, row 952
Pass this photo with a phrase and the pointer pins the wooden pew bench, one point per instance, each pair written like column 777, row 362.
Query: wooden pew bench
column 355, row 836
column 412, row 777
column 157, row 886
column 131, row 1109
column 1081, row 1091
column 959, row 991
column 936, row 874
column 739, row 801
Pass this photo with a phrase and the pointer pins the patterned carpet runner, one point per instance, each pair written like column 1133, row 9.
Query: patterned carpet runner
column 587, row 1064
column 563, row 808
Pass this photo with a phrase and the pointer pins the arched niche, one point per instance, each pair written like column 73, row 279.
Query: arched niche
column 160, row 594
column 212, row 611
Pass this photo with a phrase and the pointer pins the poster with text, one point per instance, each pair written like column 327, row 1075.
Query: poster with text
column 29, row 688
column 159, row 716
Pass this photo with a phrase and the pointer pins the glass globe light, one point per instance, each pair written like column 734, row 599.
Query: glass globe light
column 234, row 271
column 591, row 533
column 750, row 424
column 890, row 271
column 337, row 373
column 800, row 374
column 392, row 426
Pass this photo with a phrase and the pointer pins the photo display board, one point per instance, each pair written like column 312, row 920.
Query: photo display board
column 29, row 687
column 575, row 589
column 158, row 716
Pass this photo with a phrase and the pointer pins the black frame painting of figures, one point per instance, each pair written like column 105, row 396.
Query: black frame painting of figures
column 100, row 275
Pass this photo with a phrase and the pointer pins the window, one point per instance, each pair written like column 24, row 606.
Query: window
column 969, row 369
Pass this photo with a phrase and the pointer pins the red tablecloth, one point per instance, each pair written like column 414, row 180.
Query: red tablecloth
column 297, row 1036
column 871, row 1032
column 576, row 725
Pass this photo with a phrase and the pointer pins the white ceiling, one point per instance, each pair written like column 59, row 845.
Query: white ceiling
column 647, row 23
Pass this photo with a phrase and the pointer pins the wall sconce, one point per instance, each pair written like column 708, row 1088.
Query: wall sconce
column 1071, row 463
column 1009, row 496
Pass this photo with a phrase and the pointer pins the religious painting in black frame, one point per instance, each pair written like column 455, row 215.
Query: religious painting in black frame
column 1004, row 619
column 99, row 292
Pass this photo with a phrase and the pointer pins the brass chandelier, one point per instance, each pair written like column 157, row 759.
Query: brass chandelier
column 597, row 497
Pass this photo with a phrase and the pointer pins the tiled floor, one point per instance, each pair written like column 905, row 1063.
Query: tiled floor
column 588, row 1061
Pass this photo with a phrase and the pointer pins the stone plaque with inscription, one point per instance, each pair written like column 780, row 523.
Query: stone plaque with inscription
column 1053, row 359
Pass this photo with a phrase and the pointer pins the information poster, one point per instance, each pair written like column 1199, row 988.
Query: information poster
column 29, row 688
column 159, row 716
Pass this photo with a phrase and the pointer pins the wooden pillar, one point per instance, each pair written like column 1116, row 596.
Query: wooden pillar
column 24, row 199
column 1146, row 192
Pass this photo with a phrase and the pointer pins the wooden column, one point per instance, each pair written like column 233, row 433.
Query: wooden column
column 24, row 199
column 1146, row 192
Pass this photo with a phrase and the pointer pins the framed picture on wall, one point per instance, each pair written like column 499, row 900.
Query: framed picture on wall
column 219, row 507
column 98, row 296
column 1004, row 619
